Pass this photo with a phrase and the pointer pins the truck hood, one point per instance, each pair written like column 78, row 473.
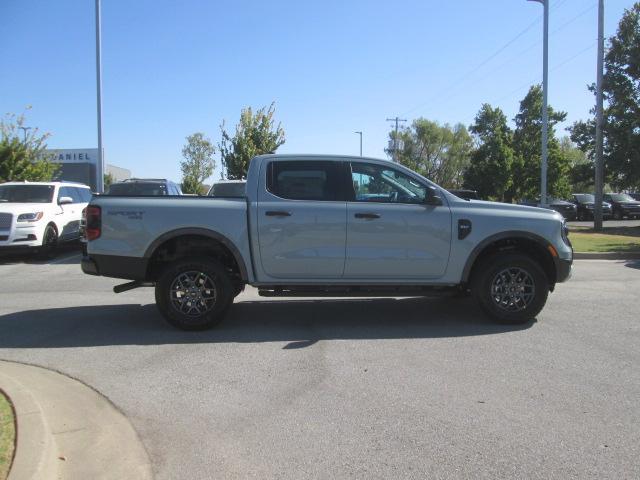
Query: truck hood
column 512, row 208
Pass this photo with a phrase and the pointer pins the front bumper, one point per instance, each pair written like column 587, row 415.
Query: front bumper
column 21, row 237
column 563, row 269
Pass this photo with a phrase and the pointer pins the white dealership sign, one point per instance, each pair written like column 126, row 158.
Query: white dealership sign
column 73, row 155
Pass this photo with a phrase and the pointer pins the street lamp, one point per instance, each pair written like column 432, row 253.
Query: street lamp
column 360, row 133
column 100, row 165
column 545, row 112
column 24, row 130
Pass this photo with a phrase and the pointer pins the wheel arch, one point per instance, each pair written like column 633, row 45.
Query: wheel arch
column 213, row 239
column 526, row 242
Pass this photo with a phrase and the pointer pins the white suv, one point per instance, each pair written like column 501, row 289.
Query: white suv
column 41, row 214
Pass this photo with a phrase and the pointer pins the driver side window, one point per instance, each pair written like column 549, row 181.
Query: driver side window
column 375, row 183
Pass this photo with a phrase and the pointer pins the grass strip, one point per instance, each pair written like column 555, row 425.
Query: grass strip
column 7, row 436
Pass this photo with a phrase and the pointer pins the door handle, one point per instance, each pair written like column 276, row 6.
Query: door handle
column 368, row 216
column 277, row 213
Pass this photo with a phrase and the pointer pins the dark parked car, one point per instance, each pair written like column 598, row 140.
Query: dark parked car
column 623, row 205
column 142, row 187
column 466, row 194
column 228, row 188
column 585, row 203
column 567, row 209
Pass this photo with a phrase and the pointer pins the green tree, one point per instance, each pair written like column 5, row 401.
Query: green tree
column 256, row 134
column 439, row 152
column 621, row 90
column 490, row 169
column 528, row 151
column 23, row 157
column 581, row 174
column 108, row 180
column 198, row 163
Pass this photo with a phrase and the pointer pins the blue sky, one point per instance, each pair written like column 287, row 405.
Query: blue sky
column 332, row 67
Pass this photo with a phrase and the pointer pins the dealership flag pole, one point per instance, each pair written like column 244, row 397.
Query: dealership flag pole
column 100, row 163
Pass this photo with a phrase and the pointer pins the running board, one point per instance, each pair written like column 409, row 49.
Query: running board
column 124, row 287
column 355, row 291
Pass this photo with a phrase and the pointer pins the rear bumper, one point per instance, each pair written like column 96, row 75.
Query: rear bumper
column 130, row 268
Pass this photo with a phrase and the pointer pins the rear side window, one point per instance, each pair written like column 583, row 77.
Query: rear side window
column 304, row 180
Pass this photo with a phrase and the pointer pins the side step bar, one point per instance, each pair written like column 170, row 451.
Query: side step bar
column 124, row 287
column 355, row 291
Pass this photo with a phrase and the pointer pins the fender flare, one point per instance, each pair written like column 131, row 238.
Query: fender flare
column 511, row 234
column 204, row 233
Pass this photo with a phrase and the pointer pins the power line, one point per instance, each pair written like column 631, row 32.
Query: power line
column 554, row 68
column 455, row 84
column 516, row 57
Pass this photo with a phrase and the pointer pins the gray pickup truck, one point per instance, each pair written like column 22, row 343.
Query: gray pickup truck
column 327, row 226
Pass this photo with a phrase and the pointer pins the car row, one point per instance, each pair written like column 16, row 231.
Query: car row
column 41, row 214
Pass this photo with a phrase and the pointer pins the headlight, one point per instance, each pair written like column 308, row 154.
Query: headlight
column 30, row 217
column 565, row 233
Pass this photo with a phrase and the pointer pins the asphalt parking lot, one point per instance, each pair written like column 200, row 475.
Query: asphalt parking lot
column 362, row 388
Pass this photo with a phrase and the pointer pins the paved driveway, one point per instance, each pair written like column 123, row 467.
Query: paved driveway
column 383, row 388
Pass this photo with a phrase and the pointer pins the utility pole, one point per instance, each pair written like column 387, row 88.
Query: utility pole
column 24, row 131
column 100, row 164
column 597, row 208
column 545, row 96
column 395, row 138
column 360, row 133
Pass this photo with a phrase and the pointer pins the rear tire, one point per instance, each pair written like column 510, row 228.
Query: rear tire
column 194, row 293
column 511, row 288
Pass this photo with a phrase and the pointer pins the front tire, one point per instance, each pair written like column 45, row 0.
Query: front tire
column 617, row 214
column 511, row 288
column 49, row 242
column 194, row 293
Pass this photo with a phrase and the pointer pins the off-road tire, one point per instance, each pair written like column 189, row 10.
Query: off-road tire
column 491, row 291
column 211, row 293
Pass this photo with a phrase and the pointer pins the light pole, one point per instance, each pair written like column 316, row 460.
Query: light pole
column 100, row 165
column 597, row 208
column 545, row 112
column 24, row 131
column 360, row 133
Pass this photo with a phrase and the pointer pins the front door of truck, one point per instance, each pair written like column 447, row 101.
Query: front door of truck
column 391, row 232
column 302, row 220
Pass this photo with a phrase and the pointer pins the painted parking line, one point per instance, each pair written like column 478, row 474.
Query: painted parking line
column 64, row 259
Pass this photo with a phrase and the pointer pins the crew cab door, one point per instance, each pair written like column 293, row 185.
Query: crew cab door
column 302, row 220
column 391, row 232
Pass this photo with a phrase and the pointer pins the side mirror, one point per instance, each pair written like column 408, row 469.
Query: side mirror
column 65, row 200
column 433, row 196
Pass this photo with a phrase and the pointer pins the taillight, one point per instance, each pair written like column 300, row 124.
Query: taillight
column 93, row 227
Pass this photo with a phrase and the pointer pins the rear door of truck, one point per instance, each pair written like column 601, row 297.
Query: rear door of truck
column 302, row 219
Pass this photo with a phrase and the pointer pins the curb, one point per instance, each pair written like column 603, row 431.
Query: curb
column 33, row 457
column 606, row 255
column 67, row 430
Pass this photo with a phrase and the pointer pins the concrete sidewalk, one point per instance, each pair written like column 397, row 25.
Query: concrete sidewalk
column 66, row 430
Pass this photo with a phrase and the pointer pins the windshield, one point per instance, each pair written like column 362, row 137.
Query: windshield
column 142, row 189
column 621, row 197
column 585, row 198
column 26, row 193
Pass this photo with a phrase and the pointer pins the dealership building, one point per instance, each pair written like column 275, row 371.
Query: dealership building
column 80, row 165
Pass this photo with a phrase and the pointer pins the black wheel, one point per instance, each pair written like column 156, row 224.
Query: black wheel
column 510, row 287
column 49, row 242
column 582, row 216
column 617, row 214
column 194, row 293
